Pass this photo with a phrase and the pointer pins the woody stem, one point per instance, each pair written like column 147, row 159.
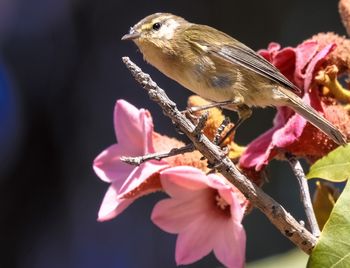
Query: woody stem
column 304, row 193
column 138, row 160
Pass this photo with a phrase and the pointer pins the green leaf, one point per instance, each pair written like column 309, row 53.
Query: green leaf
column 323, row 201
column 333, row 247
column 333, row 167
column 290, row 259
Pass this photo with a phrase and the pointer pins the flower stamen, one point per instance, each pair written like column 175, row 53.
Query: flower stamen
column 151, row 184
column 328, row 78
column 221, row 203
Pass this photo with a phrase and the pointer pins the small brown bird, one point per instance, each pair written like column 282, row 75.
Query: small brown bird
column 219, row 68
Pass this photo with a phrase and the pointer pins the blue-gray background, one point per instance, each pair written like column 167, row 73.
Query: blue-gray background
column 60, row 75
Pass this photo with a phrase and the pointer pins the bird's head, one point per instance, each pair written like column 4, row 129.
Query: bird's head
column 158, row 29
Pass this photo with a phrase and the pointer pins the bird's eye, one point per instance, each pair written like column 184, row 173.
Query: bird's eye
column 156, row 26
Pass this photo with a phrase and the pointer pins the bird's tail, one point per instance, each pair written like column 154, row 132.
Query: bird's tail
column 311, row 115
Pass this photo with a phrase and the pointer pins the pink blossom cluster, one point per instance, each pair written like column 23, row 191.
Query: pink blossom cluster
column 204, row 210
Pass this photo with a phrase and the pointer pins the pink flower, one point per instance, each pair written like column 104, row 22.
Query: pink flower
column 205, row 212
column 134, row 131
column 290, row 131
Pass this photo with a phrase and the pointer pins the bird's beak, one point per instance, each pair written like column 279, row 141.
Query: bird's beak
column 131, row 35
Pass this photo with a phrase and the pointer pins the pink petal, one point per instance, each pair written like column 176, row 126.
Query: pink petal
column 174, row 215
column 139, row 176
column 133, row 128
column 261, row 150
column 294, row 127
column 112, row 205
column 191, row 213
column 273, row 47
column 269, row 53
column 258, row 151
column 282, row 116
column 115, row 201
column 108, row 166
column 197, row 240
column 223, row 186
column 284, row 60
column 189, row 188
column 290, row 132
column 190, row 199
column 315, row 63
column 230, row 245
column 237, row 209
column 187, row 177
column 304, row 53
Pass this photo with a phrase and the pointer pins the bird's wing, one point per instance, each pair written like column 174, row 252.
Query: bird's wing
column 234, row 52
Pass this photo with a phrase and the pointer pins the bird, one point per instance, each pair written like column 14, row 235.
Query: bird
column 219, row 68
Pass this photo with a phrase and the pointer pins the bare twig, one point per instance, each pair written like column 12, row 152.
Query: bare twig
column 138, row 160
column 304, row 193
column 273, row 210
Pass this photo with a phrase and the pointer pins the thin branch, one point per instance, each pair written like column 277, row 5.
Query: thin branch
column 304, row 193
column 138, row 160
column 272, row 209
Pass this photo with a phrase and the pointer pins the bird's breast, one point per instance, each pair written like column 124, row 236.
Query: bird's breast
column 210, row 83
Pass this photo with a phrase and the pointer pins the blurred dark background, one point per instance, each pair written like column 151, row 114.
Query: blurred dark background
column 60, row 75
